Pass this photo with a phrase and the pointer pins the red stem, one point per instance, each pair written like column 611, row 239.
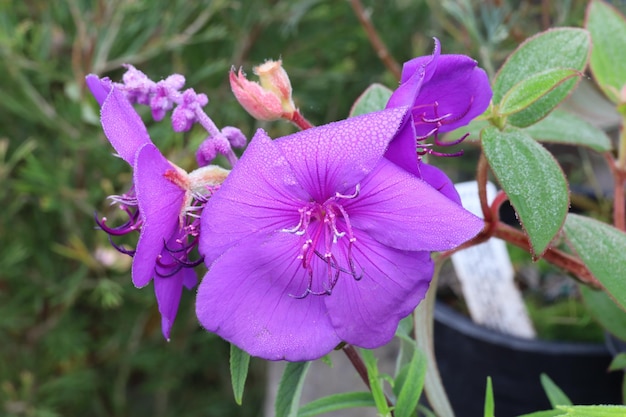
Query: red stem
column 299, row 120
column 619, row 180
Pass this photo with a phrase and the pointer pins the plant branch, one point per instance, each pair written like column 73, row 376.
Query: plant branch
column 377, row 43
column 619, row 180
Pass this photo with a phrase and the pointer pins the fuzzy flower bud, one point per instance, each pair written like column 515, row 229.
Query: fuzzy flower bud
column 270, row 100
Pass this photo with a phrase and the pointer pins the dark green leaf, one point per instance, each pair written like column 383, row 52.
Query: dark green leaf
column 374, row 98
column 336, row 402
column 533, row 181
column 555, row 48
column 603, row 250
column 290, row 389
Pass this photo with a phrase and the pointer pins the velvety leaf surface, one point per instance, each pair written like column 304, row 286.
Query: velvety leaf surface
column 603, row 250
column 533, row 181
column 374, row 98
column 239, row 361
column 290, row 389
column 555, row 48
column 608, row 56
column 604, row 310
column 530, row 90
column 567, row 128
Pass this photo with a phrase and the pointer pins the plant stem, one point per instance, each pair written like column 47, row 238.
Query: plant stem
column 377, row 43
column 619, row 180
column 360, row 368
column 299, row 120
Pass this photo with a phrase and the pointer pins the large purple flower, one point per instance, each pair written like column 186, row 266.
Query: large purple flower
column 315, row 239
column 444, row 92
column 161, row 195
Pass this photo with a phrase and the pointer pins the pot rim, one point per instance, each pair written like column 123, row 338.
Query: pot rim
column 451, row 318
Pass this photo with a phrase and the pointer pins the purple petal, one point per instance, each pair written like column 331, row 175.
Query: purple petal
column 160, row 203
column 460, row 89
column 366, row 312
column 404, row 212
column 260, row 195
column 168, row 291
column 123, row 126
column 415, row 73
column 439, row 181
column 99, row 88
column 402, row 150
column 336, row 156
column 247, row 298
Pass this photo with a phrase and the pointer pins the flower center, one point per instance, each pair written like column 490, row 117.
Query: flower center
column 324, row 226
column 434, row 123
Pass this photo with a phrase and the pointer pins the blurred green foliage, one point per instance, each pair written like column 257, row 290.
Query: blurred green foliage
column 78, row 338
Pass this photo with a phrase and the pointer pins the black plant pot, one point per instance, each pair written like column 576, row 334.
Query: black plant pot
column 468, row 353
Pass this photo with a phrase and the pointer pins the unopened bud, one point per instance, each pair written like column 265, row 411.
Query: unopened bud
column 273, row 77
column 270, row 100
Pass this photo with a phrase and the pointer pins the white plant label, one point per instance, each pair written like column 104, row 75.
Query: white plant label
column 486, row 275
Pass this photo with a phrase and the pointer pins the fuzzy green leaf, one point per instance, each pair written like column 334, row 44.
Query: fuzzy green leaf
column 290, row 389
column 608, row 56
column 528, row 91
column 337, row 402
column 603, row 250
column 563, row 127
column 374, row 98
column 556, row 396
column 555, row 48
column 533, row 181
column 604, row 311
column 239, row 361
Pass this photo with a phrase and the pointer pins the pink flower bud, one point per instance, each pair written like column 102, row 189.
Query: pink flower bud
column 273, row 77
column 270, row 100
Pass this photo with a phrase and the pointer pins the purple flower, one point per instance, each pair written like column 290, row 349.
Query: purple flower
column 162, row 194
column 315, row 239
column 444, row 93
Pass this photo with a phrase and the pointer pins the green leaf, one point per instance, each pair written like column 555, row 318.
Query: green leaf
column 290, row 389
column 563, row 127
column 593, row 410
column 336, row 402
column 528, row 91
column 375, row 382
column 555, row 48
column 412, row 385
column 533, row 181
column 545, row 413
column 374, row 98
column 604, row 310
column 489, row 403
column 556, row 396
column 608, row 56
column 239, row 361
column 618, row 363
column 603, row 250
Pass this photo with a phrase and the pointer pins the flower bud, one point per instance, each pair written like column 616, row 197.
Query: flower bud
column 270, row 100
column 274, row 78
